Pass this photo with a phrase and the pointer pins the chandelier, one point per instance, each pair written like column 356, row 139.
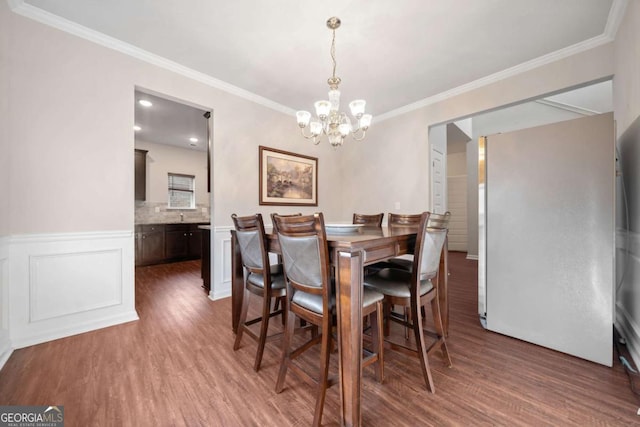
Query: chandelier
column 330, row 121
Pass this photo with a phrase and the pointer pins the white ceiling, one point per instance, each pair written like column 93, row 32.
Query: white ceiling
column 169, row 122
column 392, row 54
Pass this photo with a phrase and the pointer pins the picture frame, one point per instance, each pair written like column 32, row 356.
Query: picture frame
column 287, row 179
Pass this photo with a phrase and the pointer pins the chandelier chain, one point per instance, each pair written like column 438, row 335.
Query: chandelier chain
column 333, row 52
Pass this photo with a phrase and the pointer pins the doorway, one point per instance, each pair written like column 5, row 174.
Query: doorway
column 172, row 142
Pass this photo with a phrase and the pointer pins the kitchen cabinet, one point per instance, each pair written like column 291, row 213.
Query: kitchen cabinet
column 159, row 243
column 206, row 258
column 149, row 244
column 140, row 175
column 183, row 241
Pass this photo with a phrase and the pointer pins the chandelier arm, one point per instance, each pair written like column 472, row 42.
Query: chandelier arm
column 310, row 136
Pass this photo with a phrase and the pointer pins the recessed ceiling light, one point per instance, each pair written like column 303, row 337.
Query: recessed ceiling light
column 192, row 139
column 137, row 128
column 145, row 103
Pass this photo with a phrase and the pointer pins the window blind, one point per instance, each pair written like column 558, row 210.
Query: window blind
column 181, row 191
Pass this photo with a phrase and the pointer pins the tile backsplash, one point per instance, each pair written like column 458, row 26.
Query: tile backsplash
column 158, row 213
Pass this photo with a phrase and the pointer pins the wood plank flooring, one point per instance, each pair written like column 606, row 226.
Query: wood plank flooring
column 176, row 367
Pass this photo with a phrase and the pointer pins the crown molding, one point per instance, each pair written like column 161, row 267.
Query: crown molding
column 567, row 107
column 500, row 75
column 616, row 13
column 47, row 18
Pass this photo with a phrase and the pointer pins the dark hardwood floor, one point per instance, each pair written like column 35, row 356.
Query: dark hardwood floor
column 176, row 367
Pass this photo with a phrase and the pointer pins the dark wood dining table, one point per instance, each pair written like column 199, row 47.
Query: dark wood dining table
column 350, row 253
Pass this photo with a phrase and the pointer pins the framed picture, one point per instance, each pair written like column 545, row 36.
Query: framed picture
column 287, row 178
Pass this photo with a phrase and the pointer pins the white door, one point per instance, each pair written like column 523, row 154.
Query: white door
column 438, row 182
column 550, row 235
column 457, row 205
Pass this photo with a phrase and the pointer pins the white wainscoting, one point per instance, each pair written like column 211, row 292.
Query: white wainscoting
column 5, row 342
column 221, row 262
column 65, row 284
column 627, row 313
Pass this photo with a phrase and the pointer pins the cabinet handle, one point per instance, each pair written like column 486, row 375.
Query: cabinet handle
column 185, row 234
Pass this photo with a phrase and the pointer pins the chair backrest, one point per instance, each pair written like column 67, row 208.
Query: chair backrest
column 430, row 239
column 251, row 240
column 371, row 220
column 404, row 219
column 305, row 253
column 273, row 221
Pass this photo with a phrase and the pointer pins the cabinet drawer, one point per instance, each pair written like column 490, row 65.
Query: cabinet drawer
column 150, row 228
column 177, row 227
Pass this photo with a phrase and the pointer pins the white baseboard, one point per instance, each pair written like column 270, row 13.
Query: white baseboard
column 219, row 295
column 6, row 349
column 70, row 330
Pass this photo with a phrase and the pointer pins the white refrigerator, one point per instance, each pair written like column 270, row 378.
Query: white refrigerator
column 546, row 236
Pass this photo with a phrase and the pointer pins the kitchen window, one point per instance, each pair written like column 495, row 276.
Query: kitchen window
column 182, row 193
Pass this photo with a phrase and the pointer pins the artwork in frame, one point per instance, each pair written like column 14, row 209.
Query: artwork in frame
column 287, row 178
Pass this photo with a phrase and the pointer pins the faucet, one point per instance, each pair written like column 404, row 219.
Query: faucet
column 181, row 217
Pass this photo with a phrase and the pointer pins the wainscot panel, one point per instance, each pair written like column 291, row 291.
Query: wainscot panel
column 65, row 284
column 5, row 343
column 221, row 262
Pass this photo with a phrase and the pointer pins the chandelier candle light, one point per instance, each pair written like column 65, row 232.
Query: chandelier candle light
column 330, row 121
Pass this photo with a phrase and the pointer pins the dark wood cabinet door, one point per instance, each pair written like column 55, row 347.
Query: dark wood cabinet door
column 177, row 244
column 152, row 247
column 195, row 242
column 206, row 260
column 140, row 174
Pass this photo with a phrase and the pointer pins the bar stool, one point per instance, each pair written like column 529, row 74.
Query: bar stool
column 414, row 290
column 310, row 297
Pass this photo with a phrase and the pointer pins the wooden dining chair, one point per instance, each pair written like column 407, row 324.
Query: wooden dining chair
column 368, row 220
column 261, row 279
column 310, row 297
column 414, row 290
column 435, row 220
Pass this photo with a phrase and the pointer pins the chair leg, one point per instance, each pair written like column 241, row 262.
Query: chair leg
column 264, row 329
column 286, row 350
column 377, row 340
column 407, row 319
column 242, row 320
column 386, row 307
column 421, row 345
column 276, row 305
column 325, row 353
column 437, row 320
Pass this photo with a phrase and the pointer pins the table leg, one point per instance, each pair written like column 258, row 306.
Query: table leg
column 349, row 272
column 237, row 282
